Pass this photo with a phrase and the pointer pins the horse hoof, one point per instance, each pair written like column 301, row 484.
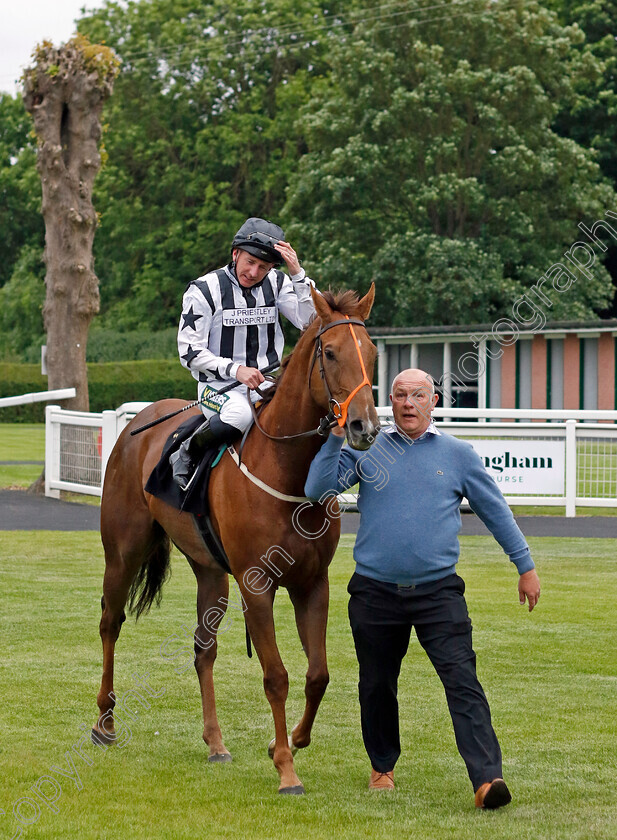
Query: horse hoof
column 220, row 758
column 101, row 738
column 293, row 748
column 294, row 790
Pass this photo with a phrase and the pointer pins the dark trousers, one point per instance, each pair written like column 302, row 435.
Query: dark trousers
column 381, row 617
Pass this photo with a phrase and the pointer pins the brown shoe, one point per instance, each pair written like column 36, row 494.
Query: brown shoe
column 381, row 781
column 493, row 795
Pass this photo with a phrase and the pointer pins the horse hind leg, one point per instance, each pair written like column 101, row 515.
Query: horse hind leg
column 212, row 602
column 135, row 573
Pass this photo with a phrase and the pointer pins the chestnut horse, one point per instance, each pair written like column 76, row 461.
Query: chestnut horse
column 267, row 546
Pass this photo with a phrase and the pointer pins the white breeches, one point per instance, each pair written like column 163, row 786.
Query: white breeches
column 232, row 407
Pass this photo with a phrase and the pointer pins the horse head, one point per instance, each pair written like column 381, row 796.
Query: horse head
column 343, row 379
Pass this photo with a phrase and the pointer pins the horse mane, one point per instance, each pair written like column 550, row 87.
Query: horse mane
column 344, row 302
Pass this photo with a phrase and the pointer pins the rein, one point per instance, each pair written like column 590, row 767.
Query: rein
column 337, row 413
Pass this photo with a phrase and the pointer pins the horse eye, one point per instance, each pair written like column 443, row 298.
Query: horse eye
column 329, row 354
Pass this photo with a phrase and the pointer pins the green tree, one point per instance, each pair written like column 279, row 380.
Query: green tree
column 203, row 133
column 590, row 119
column 433, row 166
column 20, row 190
column 21, row 305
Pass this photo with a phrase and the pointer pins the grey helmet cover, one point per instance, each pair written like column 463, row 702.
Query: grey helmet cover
column 258, row 237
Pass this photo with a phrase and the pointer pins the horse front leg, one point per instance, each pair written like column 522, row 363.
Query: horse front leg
column 212, row 601
column 260, row 621
column 311, row 610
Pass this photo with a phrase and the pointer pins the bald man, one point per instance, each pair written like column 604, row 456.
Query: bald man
column 411, row 483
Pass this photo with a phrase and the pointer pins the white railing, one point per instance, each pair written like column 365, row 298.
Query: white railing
column 590, row 449
column 38, row 396
column 78, row 445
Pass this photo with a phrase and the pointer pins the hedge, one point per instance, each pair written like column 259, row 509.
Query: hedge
column 109, row 384
column 112, row 346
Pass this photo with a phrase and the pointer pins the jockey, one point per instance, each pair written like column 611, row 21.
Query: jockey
column 230, row 330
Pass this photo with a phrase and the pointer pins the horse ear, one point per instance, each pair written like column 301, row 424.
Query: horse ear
column 321, row 306
column 366, row 303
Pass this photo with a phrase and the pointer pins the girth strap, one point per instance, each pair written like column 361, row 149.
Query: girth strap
column 262, row 485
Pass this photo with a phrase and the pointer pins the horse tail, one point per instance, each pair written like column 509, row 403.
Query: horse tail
column 147, row 585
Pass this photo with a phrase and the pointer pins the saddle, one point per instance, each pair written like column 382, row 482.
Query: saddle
column 194, row 500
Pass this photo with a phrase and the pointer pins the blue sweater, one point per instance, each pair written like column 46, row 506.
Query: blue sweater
column 410, row 493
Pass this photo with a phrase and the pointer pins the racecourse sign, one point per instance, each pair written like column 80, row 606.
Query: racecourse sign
column 524, row 466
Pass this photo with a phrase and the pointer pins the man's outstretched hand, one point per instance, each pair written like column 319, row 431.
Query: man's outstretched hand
column 529, row 588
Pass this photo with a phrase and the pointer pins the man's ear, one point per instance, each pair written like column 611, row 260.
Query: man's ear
column 366, row 304
column 321, row 306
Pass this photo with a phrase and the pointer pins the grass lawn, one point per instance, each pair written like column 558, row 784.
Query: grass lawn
column 22, row 443
column 550, row 677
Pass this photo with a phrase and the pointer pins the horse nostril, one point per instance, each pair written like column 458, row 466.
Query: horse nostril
column 356, row 427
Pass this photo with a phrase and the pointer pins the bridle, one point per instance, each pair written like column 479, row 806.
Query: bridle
column 337, row 412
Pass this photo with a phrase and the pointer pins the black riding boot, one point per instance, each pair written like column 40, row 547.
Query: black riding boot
column 185, row 460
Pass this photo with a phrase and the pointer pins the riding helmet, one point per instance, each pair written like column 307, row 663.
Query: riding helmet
column 258, row 237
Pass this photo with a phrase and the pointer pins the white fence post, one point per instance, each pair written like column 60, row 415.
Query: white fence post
column 109, row 433
column 52, row 452
column 570, row 467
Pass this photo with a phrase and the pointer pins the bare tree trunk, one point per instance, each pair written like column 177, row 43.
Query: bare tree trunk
column 65, row 91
